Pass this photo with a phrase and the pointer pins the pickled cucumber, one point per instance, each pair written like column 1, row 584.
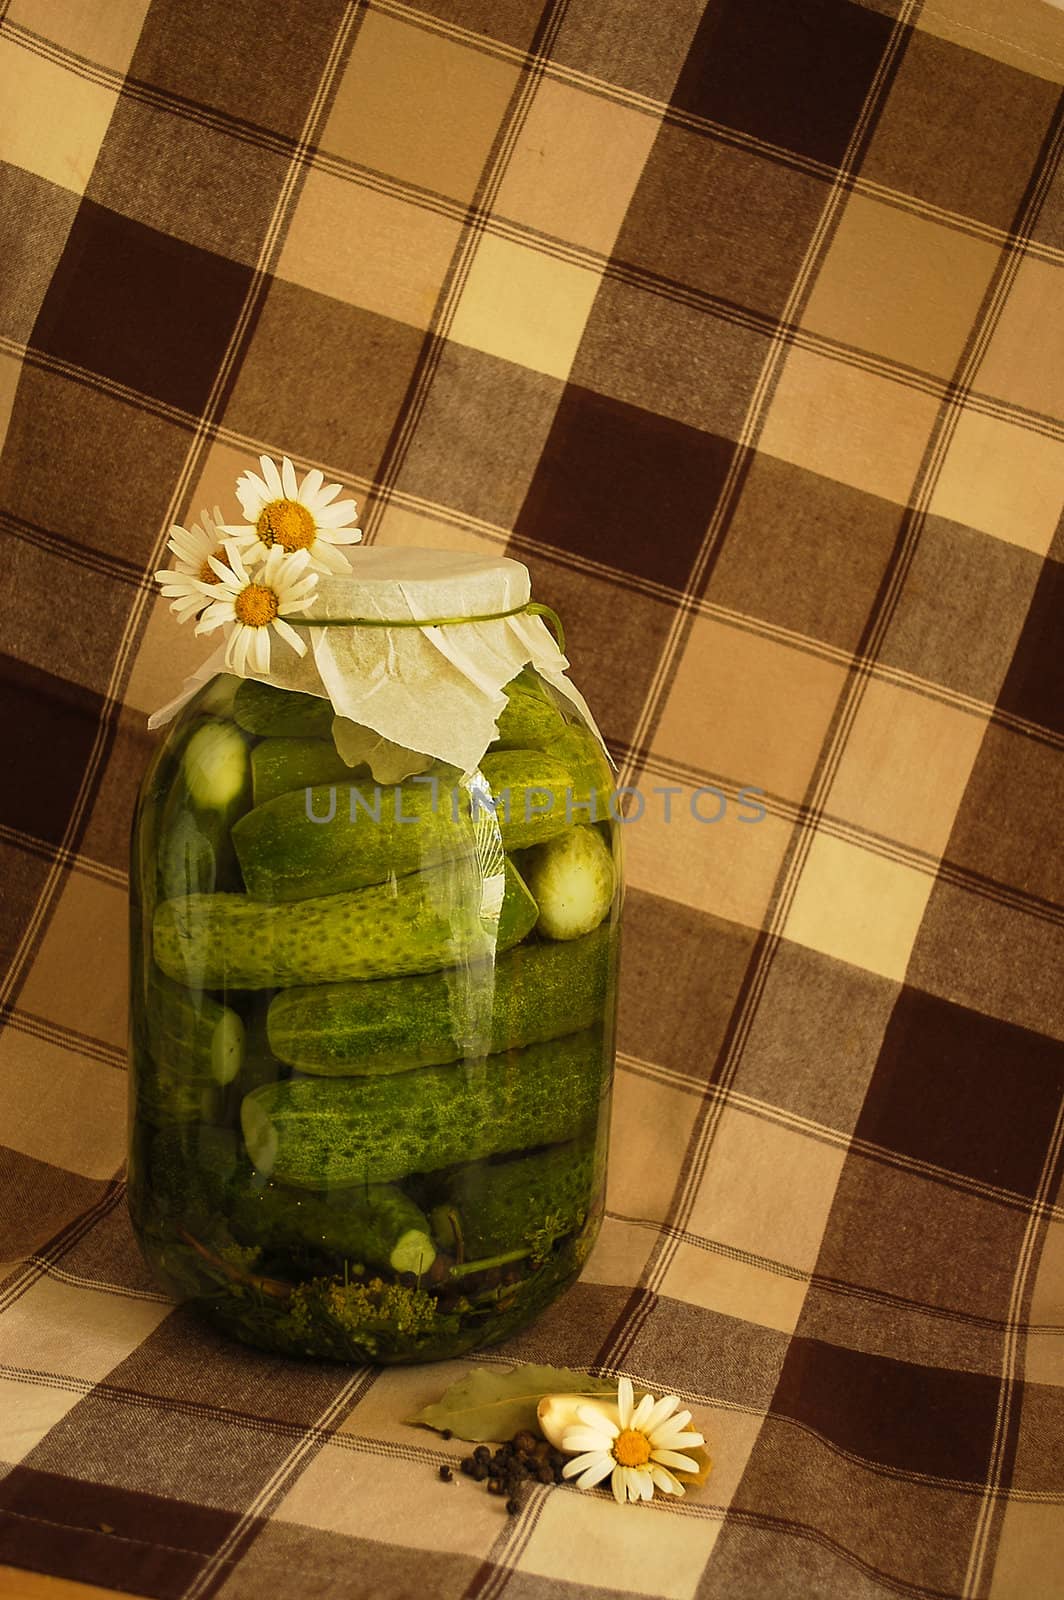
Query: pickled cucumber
column 418, row 923
column 572, row 879
column 312, row 1132
column 191, row 1033
column 279, row 766
column 493, row 1206
column 209, row 791
column 530, row 720
column 537, row 992
column 281, row 713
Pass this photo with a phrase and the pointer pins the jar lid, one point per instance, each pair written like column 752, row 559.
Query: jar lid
column 433, row 688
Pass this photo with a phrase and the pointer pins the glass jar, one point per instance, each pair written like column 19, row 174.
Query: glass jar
column 372, row 1023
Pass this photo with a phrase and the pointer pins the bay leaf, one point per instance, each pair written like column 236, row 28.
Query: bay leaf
column 491, row 1406
column 695, row 1480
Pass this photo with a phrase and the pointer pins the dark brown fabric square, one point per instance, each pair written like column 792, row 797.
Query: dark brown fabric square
column 603, row 465
column 792, row 75
column 961, row 609
column 47, row 726
column 479, row 434
column 1034, row 686
column 675, row 1013
column 1009, row 826
column 940, row 88
column 804, row 552
column 141, row 308
column 707, row 216
column 35, row 218
column 894, row 1412
column 310, row 360
column 40, row 1201
column 964, row 1091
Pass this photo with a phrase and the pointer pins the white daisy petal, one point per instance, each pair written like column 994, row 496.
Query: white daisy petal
column 642, row 1411
column 664, row 1480
column 308, row 489
column 328, row 559
column 336, row 516
column 619, row 1486
column 289, row 635
column 328, row 493
column 288, row 479
column 663, row 1408
column 624, row 1401
column 677, row 1441
column 646, row 1484
column 670, row 1458
column 580, row 1464
column 253, row 494
column 592, row 1417
column 677, row 1421
column 585, row 1439
column 340, row 535
column 601, row 1468
column 239, row 645
column 259, row 654
column 635, row 1484
column 272, row 477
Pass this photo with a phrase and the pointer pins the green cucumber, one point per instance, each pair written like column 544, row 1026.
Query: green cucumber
column 192, row 1033
column 494, row 1206
column 537, row 992
column 314, row 1132
column 202, row 1174
column 209, row 791
column 418, row 923
column 279, row 766
column 530, row 720
column 572, row 879
column 592, row 777
column 322, row 839
column 261, row 709
column 531, row 789
column 166, row 1097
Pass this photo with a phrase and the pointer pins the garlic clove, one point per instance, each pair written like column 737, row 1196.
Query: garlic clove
column 557, row 1412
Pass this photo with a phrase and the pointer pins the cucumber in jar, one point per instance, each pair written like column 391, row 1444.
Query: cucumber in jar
column 191, row 1033
column 204, row 1175
column 261, row 709
column 526, row 1201
column 538, row 991
column 572, row 879
column 530, row 719
column 418, row 923
column 281, row 766
column 311, row 1132
column 210, row 790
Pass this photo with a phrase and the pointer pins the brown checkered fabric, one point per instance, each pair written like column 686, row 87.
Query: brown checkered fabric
column 740, row 323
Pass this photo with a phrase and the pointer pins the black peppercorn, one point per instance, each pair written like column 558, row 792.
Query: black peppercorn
column 446, row 1474
column 496, row 1487
column 479, row 1472
column 544, row 1473
column 482, row 1453
column 466, row 1464
column 525, row 1441
column 513, row 1506
column 445, row 1433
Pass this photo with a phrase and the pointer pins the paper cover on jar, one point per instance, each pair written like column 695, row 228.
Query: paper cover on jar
column 433, row 689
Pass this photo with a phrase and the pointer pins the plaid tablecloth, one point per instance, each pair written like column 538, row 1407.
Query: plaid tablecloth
column 740, row 323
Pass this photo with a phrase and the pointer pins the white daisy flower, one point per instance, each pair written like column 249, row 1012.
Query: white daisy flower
column 183, row 583
column 283, row 514
column 635, row 1452
column 256, row 603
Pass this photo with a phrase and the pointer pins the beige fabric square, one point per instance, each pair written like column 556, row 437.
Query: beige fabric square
column 27, row 1412
column 1030, row 1553
column 864, row 430
column 370, row 1495
column 1002, row 479
column 401, row 525
column 766, row 1190
column 76, row 1331
column 858, row 906
column 905, row 766
column 641, row 1104
column 1024, row 362
column 166, row 656
column 78, row 978
column 755, row 710
column 52, row 121
column 61, row 1107
column 728, row 868
column 900, row 286
column 568, row 134
column 418, row 106
column 734, row 1288
column 524, row 306
column 1027, row 34
column 368, row 249
column 101, row 30
column 591, row 1543
column 1044, row 1346
column 397, row 1393
column 622, row 1249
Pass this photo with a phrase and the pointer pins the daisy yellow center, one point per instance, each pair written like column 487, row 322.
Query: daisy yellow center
column 256, row 605
column 287, row 523
column 631, row 1449
column 207, row 572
